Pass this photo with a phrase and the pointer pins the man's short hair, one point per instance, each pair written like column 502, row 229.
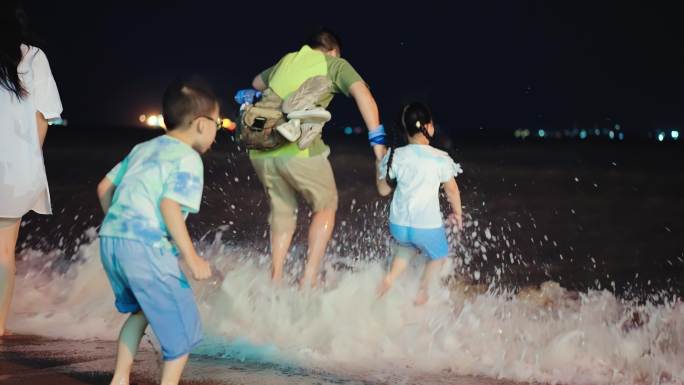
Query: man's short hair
column 326, row 39
column 186, row 99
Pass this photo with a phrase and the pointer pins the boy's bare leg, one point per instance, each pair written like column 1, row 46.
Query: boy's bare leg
column 129, row 339
column 430, row 268
column 398, row 267
column 172, row 371
column 280, row 245
column 8, row 243
column 320, row 232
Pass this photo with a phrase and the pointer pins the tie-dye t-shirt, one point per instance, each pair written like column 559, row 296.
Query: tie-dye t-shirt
column 163, row 167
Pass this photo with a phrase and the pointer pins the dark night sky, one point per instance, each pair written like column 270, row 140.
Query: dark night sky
column 497, row 64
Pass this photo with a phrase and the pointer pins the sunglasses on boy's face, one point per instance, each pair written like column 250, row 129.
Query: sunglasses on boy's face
column 217, row 122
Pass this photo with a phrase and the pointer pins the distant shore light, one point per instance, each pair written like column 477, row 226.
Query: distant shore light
column 152, row 121
column 228, row 124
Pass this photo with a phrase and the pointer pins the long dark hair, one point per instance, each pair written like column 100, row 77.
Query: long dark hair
column 414, row 116
column 13, row 33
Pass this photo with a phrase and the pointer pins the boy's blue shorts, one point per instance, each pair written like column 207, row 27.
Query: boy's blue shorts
column 431, row 242
column 150, row 279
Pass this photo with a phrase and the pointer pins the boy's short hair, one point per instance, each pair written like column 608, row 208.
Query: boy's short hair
column 326, row 39
column 186, row 99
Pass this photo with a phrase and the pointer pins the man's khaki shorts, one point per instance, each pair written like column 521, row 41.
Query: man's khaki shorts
column 284, row 177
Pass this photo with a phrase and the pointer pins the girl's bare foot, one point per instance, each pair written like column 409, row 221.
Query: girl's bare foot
column 305, row 285
column 384, row 286
column 421, row 298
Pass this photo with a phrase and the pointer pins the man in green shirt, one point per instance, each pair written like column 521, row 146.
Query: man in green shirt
column 288, row 170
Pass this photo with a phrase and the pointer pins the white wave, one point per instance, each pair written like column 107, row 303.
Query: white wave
column 540, row 335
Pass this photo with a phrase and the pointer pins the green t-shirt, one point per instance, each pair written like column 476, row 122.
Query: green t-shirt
column 290, row 72
column 163, row 167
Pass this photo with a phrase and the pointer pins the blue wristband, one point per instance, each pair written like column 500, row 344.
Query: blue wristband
column 377, row 136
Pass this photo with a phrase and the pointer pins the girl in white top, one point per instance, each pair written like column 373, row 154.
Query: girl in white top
column 415, row 172
column 28, row 98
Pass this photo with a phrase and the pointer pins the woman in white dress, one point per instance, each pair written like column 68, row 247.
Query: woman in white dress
column 28, row 99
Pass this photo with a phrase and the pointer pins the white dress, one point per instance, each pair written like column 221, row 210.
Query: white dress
column 23, row 184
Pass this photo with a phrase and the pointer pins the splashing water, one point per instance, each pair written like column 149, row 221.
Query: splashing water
column 545, row 334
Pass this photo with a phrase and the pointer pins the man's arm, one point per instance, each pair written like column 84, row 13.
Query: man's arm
column 258, row 83
column 369, row 111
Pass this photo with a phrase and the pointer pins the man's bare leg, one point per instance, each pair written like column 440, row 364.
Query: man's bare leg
column 280, row 245
column 320, row 232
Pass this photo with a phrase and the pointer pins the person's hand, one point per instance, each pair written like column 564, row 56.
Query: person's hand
column 247, row 96
column 380, row 151
column 378, row 166
column 199, row 267
column 457, row 220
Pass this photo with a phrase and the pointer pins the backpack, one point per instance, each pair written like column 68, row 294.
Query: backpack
column 257, row 123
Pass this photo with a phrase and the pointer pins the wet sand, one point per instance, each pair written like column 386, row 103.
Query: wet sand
column 37, row 360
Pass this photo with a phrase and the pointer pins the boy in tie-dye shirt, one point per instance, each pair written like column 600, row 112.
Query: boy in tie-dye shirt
column 146, row 198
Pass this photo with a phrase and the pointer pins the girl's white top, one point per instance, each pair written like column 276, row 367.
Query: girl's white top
column 419, row 171
column 23, row 184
